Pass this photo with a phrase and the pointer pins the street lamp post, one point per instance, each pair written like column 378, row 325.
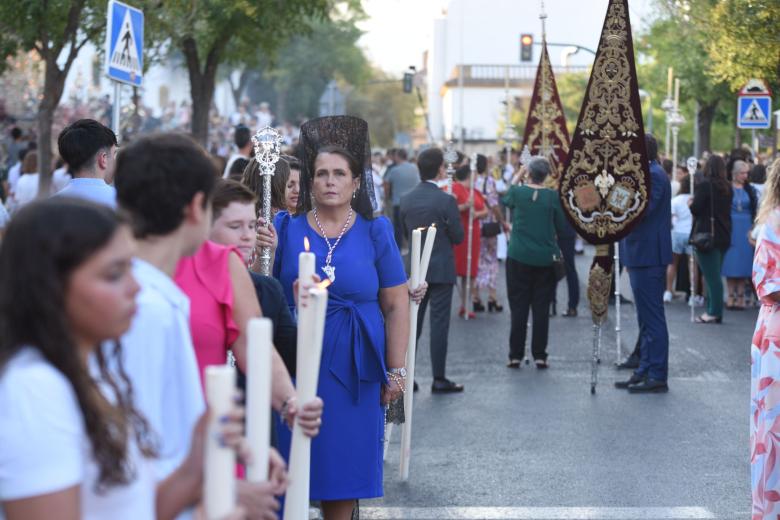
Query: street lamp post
column 668, row 108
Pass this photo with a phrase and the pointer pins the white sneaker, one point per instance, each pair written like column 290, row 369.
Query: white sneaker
column 668, row 296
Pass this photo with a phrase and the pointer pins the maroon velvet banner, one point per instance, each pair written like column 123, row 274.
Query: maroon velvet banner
column 605, row 184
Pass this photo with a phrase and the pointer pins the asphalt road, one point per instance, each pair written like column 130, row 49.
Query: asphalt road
column 536, row 444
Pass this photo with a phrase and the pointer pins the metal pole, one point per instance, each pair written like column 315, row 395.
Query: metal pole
column 460, row 116
column 265, row 252
column 616, row 271
column 691, row 164
column 470, row 240
column 668, row 137
column 116, row 109
column 594, row 361
column 650, row 112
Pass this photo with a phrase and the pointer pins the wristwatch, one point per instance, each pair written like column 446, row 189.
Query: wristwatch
column 398, row 371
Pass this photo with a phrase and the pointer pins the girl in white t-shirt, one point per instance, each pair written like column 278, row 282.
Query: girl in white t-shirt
column 681, row 232
column 73, row 446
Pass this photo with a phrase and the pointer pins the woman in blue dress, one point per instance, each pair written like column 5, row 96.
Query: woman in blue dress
column 738, row 262
column 367, row 325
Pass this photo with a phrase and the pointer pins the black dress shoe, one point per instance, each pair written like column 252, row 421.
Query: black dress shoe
column 649, row 386
column 570, row 313
column 633, row 380
column 416, row 387
column 630, row 363
column 445, row 386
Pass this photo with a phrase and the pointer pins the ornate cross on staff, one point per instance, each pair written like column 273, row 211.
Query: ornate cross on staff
column 450, row 156
column 268, row 148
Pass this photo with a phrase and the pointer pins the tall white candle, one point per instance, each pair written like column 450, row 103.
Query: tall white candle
column 311, row 328
column 306, row 265
column 669, row 76
column 219, row 480
column 430, row 238
column 406, row 432
column 258, row 396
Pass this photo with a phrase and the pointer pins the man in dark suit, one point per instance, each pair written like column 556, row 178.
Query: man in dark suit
column 645, row 253
column 426, row 204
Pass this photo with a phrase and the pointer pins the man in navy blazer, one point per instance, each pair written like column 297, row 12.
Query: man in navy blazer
column 645, row 253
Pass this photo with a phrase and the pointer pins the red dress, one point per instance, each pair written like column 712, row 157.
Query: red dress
column 461, row 250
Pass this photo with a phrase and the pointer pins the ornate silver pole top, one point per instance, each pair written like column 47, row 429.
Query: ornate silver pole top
column 268, row 148
column 450, row 156
column 525, row 156
column 692, row 164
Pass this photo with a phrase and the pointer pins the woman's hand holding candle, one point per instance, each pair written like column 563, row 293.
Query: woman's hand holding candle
column 301, row 291
column 417, row 294
column 309, row 417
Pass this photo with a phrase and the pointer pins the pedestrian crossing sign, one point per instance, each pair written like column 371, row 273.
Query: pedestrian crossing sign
column 125, row 43
column 754, row 112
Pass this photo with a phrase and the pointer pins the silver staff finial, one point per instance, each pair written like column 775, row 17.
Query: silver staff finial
column 525, row 156
column 692, row 163
column 450, row 156
column 268, row 148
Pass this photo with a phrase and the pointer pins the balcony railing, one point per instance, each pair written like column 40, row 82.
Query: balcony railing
column 496, row 75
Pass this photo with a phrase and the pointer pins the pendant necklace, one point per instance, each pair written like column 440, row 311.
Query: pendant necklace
column 329, row 270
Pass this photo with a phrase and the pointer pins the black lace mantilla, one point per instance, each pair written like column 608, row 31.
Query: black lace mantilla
column 349, row 133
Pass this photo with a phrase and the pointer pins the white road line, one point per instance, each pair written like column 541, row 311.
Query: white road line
column 531, row 513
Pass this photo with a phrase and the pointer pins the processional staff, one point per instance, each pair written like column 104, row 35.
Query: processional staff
column 470, row 240
column 268, row 148
column 692, row 164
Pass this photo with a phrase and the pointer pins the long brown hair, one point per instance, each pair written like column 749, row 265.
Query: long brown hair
column 44, row 244
column 715, row 171
column 771, row 195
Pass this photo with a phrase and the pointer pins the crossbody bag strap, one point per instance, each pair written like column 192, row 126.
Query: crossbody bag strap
column 712, row 209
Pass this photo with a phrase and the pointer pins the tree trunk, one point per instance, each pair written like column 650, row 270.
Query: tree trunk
column 53, row 84
column 705, row 116
column 202, row 83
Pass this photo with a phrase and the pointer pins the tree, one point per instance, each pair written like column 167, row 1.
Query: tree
column 55, row 30
column 209, row 33
column 383, row 104
column 678, row 38
column 744, row 41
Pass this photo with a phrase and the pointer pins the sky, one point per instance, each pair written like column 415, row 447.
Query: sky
column 397, row 32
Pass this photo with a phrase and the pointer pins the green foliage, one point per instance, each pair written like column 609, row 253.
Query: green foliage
column 744, row 41
column 302, row 69
column 383, row 104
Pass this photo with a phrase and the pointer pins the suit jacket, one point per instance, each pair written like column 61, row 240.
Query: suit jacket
column 650, row 242
column 426, row 204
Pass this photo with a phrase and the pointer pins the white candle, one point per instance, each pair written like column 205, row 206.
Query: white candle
column 306, row 264
column 311, row 328
column 676, row 93
column 219, row 473
column 406, row 432
column 258, row 396
column 430, row 238
column 669, row 76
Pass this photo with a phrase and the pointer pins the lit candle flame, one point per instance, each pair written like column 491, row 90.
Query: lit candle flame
column 324, row 284
column 306, row 243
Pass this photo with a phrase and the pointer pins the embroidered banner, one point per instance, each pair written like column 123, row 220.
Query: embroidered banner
column 605, row 183
column 545, row 129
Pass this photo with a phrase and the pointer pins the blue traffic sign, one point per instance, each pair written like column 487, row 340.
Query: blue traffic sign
column 125, row 43
column 754, row 112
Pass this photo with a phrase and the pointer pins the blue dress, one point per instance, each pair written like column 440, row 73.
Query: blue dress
column 346, row 457
column 738, row 261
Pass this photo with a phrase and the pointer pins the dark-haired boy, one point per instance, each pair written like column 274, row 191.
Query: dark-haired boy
column 89, row 149
column 242, row 137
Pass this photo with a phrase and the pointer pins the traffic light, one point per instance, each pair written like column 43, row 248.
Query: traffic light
column 526, row 47
column 408, row 82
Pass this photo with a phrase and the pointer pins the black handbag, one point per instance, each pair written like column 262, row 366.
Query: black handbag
column 489, row 229
column 704, row 241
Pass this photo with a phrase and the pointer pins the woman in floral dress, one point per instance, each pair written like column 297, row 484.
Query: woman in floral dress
column 765, row 358
column 488, row 253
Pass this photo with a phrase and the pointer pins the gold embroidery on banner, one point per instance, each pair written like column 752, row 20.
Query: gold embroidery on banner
column 546, row 137
column 599, row 284
column 608, row 126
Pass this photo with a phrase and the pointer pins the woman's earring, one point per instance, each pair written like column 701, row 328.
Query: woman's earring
column 354, row 194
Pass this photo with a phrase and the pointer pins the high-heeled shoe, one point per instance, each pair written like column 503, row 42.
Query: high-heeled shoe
column 494, row 306
column 462, row 313
column 477, row 306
